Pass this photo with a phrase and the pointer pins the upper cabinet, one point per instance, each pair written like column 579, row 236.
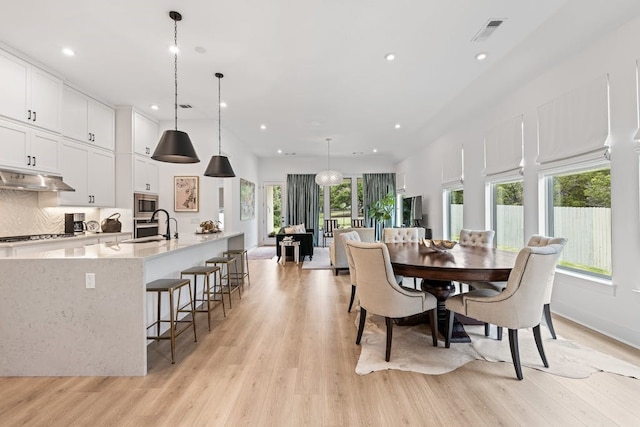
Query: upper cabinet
column 145, row 135
column 87, row 120
column 24, row 147
column 29, row 94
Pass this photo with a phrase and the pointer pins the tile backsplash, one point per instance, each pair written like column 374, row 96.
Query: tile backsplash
column 21, row 215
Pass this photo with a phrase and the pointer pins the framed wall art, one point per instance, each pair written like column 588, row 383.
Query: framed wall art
column 247, row 200
column 186, row 194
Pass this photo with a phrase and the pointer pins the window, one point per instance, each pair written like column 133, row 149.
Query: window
column 508, row 215
column 579, row 209
column 360, row 194
column 340, row 203
column 273, row 208
column 453, row 205
column 321, row 208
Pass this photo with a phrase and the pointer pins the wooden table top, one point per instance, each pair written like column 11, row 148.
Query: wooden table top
column 462, row 263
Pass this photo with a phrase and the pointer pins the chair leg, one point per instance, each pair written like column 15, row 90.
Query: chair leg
column 487, row 329
column 389, row 323
column 363, row 316
column 515, row 353
column 538, row 338
column 447, row 340
column 499, row 333
column 353, row 296
column 547, row 318
column 433, row 319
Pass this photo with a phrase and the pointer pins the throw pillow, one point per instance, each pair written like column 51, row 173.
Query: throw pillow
column 290, row 230
column 300, row 228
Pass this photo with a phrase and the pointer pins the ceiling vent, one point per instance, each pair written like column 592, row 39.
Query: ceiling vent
column 185, row 106
column 487, row 30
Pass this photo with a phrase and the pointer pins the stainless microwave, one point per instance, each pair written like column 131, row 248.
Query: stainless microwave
column 144, row 205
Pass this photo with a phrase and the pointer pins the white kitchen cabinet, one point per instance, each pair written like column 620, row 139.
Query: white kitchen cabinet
column 87, row 120
column 145, row 175
column 29, row 94
column 24, row 147
column 145, row 135
column 90, row 171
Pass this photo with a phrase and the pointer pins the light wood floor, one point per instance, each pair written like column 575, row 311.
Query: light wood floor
column 285, row 356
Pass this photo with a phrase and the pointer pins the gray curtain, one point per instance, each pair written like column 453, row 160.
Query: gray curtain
column 302, row 202
column 375, row 186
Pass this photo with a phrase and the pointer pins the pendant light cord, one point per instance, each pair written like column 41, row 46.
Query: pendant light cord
column 328, row 154
column 175, row 72
column 219, row 116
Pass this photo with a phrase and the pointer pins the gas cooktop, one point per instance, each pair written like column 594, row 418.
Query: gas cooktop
column 8, row 239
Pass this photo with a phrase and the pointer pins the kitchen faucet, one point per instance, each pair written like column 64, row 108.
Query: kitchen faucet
column 176, row 233
column 153, row 216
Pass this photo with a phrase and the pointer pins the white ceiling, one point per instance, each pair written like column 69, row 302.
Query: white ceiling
column 308, row 69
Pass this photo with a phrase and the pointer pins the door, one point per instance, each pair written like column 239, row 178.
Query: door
column 273, row 212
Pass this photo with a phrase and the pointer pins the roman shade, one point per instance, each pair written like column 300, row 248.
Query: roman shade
column 452, row 165
column 575, row 126
column 503, row 147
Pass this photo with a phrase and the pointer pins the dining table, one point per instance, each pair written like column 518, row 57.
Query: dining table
column 438, row 270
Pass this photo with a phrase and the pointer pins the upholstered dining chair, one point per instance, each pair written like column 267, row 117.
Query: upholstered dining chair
column 536, row 240
column 482, row 238
column 519, row 306
column 380, row 294
column 329, row 226
column 354, row 237
column 403, row 235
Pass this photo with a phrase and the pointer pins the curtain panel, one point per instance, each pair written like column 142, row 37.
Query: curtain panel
column 303, row 196
column 375, row 186
column 503, row 147
column 575, row 126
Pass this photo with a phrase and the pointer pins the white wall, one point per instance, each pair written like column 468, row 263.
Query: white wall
column 612, row 309
column 204, row 137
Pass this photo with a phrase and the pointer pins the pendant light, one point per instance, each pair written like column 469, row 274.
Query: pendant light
column 328, row 177
column 219, row 166
column 174, row 145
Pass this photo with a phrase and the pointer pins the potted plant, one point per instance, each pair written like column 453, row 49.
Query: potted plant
column 382, row 210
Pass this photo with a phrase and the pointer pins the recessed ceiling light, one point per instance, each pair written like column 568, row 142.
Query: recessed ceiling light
column 390, row 56
column 375, row 150
column 279, row 151
column 223, row 105
column 154, row 107
column 397, row 126
column 200, row 49
column 481, row 56
column 263, row 127
column 68, row 51
column 174, row 49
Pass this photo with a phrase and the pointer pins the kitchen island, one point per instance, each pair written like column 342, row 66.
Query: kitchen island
column 53, row 323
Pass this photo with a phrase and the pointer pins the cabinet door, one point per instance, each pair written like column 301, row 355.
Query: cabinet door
column 46, row 100
column 14, row 77
column 74, row 115
column 145, row 135
column 74, row 165
column 145, row 173
column 101, row 125
column 45, row 151
column 14, row 145
column 102, row 178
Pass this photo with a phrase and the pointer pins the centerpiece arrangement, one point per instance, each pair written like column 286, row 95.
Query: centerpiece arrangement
column 438, row 245
column 209, row 226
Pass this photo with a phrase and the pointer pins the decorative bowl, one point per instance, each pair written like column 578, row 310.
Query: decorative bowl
column 439, row 245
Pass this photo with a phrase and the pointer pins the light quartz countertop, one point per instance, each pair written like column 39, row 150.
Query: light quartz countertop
column 79, row 238
column 128, row 250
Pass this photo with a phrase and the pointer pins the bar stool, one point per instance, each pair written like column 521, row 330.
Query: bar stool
column 205, row 272
column 170, row 286
column 225, row 274
column 244, row 263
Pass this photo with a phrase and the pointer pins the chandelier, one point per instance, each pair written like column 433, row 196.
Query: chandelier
column 329, row 177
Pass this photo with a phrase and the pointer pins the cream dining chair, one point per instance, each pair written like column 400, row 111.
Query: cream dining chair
column 536, row 240
column 519, row 306
column 380, row 294
column 352, row 236
column 403, row 235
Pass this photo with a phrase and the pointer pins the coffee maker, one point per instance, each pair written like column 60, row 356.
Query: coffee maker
column 74, row 223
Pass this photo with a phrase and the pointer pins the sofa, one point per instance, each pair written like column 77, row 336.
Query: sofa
column 305, row 239
column 337, row 254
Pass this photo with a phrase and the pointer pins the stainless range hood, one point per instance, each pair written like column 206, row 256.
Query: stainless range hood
column 32, row 181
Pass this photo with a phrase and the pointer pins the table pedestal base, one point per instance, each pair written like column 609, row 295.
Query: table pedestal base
column 443, row 290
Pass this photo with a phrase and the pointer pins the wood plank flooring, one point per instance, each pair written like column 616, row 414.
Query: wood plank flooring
column 285, row 356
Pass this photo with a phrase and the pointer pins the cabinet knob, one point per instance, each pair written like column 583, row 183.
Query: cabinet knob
column 28, row 160
column 34, row 161
column 34, row 116
column 28, row 114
